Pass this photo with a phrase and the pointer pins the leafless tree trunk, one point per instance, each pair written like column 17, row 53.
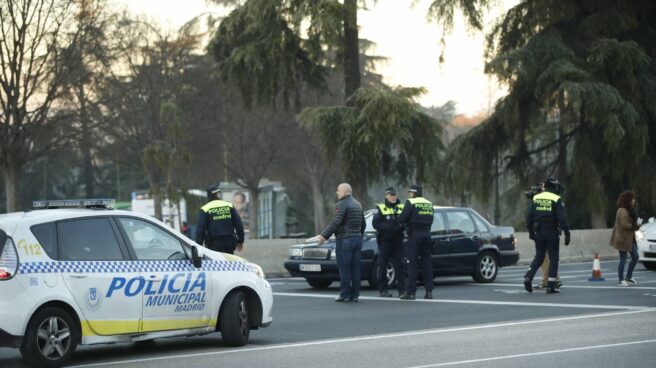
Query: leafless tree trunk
column 34, row 65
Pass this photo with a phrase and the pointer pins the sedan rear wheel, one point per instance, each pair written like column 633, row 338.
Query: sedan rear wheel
column 650, row 265
column 486, row 268
column 391, row 275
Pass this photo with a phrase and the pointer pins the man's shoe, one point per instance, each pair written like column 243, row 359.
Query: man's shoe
column 429, row 295
column 552, row 290
column 622, row 283
column 385, row 294
column 558, row 284
column 528, row 286
column 631, row 282
column 407, row 297
column 353, row 300
column 339, row 299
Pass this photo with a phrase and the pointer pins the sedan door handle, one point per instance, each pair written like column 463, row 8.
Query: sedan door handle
column 154, row 278
column 78, row 276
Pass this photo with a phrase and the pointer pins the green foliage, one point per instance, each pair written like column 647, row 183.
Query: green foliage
column 581, row 78
column 381, row 132
column 258, row 47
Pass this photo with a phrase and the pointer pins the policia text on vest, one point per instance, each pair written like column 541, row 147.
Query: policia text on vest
column 219, row 226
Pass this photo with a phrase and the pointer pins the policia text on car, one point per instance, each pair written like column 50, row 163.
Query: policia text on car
column 545, row 220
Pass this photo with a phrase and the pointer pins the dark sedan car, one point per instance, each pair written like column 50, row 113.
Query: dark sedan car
column 464, row 243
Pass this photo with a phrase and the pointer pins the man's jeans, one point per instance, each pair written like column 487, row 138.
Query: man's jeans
column 632, row 264
column 349, row 254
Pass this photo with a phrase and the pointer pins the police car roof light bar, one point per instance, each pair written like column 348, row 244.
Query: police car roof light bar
column 101, row 203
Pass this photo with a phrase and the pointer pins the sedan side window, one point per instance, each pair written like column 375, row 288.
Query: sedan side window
column 90, row 239
column 150, row 242
column 460, row 222
column 438, row 227
column 480, row 224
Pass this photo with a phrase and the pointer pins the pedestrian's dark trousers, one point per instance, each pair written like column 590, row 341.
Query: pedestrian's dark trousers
column 418, row 244
column 632, row 264
column 223, row 244
column 546, row 240
column 349, row 254
column 390, row 250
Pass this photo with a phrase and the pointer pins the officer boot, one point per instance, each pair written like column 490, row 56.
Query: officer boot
column 407, row 296
column 551, row 288
column 528, row 285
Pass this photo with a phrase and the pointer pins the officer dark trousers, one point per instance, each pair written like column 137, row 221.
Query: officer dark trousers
column 390, row 249
column 418, row 243
column 546, row 240
column 223, row 244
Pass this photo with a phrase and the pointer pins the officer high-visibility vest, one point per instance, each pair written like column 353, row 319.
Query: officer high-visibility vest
column 218, row 210
column 390, row 211
column 544, row 201
column 423, row 205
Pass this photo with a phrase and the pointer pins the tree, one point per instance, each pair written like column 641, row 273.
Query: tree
column 93, row 56
column 379, row 132
column 148, row 73
column 34, row 66
column 581, row 104
column 260, row 47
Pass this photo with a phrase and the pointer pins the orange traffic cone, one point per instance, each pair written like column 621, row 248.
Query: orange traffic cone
column 596, row 269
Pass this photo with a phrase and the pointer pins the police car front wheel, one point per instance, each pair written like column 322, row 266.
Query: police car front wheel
column 234, row 320
column 51, row 338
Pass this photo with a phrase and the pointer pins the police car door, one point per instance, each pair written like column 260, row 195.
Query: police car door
column 176, row 295
column 94, row 266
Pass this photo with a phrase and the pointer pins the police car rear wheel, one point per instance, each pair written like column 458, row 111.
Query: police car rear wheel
column 234, row 320
column 50, row 339
column 486, row 268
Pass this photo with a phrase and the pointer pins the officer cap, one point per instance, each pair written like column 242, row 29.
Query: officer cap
column 212, row 190
column 552, row 185
column 390, row 190
column 415, row 188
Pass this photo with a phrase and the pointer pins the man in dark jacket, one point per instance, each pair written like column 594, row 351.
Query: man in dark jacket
column 417, row 217
column 219, row 223
column 545, row 220
column 348, row 226
column 390, row 241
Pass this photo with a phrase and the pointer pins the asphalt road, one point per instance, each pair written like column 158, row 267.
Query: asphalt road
column 590, row 324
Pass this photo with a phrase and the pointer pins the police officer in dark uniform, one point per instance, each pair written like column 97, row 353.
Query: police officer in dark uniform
column 390, row 241
column 219, row 224
column 417, row 217
column 545, row 220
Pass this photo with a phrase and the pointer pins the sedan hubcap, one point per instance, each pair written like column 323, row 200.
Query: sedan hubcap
column 53, row 338
column 488, row 267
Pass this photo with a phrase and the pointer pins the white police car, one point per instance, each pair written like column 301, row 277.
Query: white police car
column 72, row 276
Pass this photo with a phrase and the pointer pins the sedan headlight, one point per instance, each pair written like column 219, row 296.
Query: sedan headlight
column 295, row 252
column 640, row 236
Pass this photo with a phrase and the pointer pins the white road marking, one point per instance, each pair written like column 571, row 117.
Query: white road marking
column 367, row 338
column 582, row 348
column 480, row 302
column 569, row 286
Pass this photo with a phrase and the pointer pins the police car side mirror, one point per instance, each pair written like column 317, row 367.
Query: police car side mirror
column 196, row 257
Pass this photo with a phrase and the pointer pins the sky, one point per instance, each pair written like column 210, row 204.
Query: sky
column 402, row 34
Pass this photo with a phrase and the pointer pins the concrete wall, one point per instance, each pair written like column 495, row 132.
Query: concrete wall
column 271, row 254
